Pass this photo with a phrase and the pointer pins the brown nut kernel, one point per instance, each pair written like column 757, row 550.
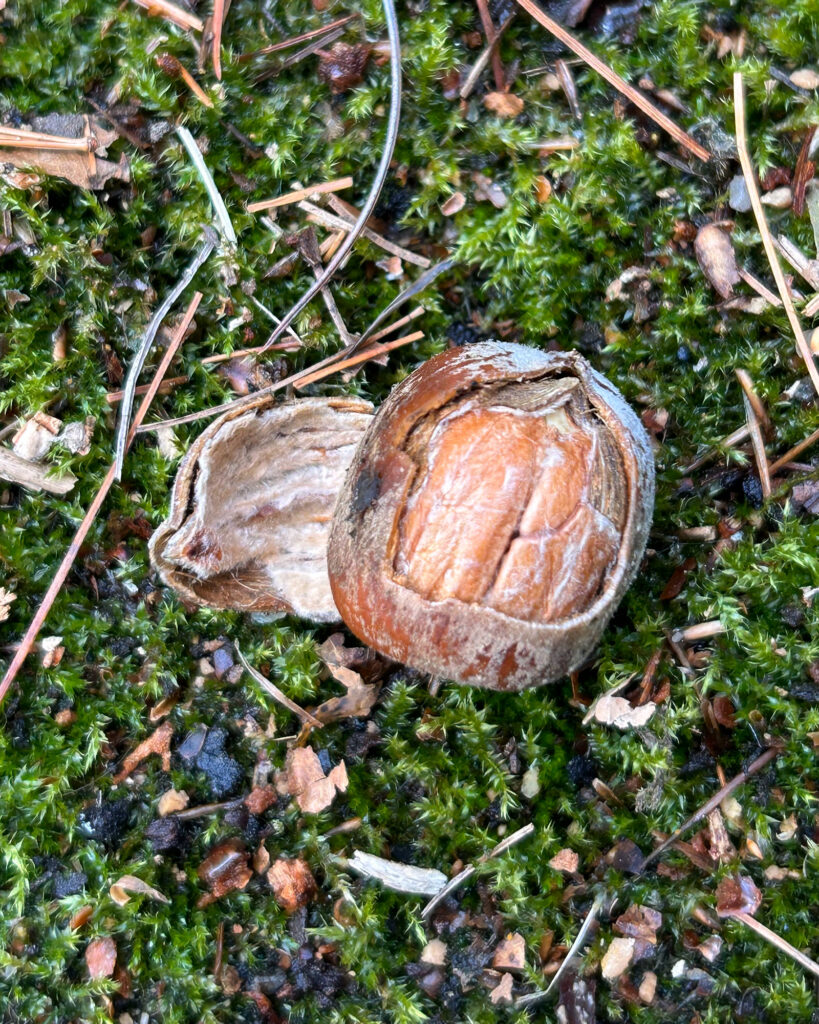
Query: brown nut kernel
column 495, row 513
column 251, row 507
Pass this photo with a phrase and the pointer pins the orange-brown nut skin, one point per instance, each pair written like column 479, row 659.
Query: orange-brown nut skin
column 462, row 640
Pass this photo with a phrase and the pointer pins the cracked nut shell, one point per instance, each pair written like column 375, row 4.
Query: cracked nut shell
column 495, row 513
column 251, row 507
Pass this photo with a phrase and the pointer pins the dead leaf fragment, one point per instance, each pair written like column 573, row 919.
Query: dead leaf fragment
column 343, row 65
column 565, row 860
column 292, row 883
column 344, row 666
column 486, row 189
column 172, row 800
column 101, row 957
column 224, row 870
column 453, row 205
column 737, row 895
column 81, row 917
column 510, row 954
column 504, row 104
column 617, row 711
column 305, row 780
column 640, row 922
column 715, row 255
column 159, row 742
column 617, row 958
column 121, row 889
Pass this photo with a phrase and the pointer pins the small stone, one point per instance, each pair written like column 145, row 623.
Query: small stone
column 172, row 800
column 738, row 198
column 805, row 78
column 434, row 953
column 617, row 958
column 530, row 784
column 780, row 198
column 648, row 986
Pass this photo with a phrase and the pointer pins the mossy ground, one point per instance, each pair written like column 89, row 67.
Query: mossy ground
column 546, row 268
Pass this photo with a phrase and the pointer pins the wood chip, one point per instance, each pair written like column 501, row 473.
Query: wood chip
column 510, row 954
column 565, row 860
column 502, row 993
column 396, row 876
column 159, row 742
column 292, row 883
column 32, row 475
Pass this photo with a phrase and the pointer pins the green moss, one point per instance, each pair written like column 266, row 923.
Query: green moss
column 545, row 267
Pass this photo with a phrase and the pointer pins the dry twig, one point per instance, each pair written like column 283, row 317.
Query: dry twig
column 336, row 222
column 300, row 193
column 535, row 997
column 311, row 374
column 757, row 419
column 491, row 33
column 777, row 941
column 82, row 530
column 792, row 453
column 285, row 44
column 713, row 803
column 470, row 869
column 378, row 182
column 638, row 98
column 277, row 694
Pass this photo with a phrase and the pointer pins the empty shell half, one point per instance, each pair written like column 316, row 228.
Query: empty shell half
column 252, row 504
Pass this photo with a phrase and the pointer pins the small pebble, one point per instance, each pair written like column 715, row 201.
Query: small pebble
column 738, row 198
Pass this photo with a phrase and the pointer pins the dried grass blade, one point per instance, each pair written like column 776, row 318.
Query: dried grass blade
column 277, row 694
column 765, row 231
